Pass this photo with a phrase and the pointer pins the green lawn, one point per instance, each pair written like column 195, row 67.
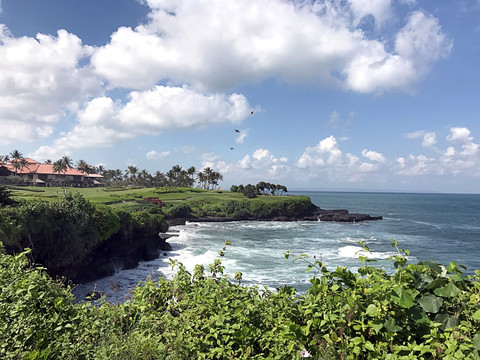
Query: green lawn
column 124, row 194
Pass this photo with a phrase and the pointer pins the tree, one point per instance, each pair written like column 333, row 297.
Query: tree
column 250, row 191
column 15, row 155
column 68, row 162
column 132, row 173
column 191, row 171
column 19, row 164
column 261, row 187
column 83, row 166
column 59, row 167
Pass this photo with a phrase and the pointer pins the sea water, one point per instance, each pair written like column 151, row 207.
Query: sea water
column 438, row 227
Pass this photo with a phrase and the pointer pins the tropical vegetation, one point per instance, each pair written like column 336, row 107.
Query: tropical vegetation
column 421, row 311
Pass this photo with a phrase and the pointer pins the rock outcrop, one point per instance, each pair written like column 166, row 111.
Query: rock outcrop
column 119, row 252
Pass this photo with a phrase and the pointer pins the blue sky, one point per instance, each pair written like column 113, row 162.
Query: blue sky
column 368, row 95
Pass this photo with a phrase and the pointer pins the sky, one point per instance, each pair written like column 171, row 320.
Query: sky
column 349, row 95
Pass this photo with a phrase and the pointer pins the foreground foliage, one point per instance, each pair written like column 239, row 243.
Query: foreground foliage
column 422, row 311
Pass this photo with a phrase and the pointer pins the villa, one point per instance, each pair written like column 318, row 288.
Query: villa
column 38, row 174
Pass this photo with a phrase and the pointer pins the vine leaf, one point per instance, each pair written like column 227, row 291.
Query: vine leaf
column 431, row 303
column 450, row 290
column 402, row 297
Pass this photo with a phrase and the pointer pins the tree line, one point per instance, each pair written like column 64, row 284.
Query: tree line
column 262, row 188
column 132, row 176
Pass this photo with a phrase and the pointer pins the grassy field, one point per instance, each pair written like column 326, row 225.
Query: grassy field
column 123, row 195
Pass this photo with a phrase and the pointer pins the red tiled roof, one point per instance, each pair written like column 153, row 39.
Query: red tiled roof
column 34, row 167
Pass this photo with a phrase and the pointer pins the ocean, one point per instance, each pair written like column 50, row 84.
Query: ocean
column 437, row 227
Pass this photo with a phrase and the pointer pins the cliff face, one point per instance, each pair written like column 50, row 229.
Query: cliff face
column 313, row 213
column 123, row 250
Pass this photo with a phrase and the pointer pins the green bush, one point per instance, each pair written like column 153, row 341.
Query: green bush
column 179, row 210
column 106, row 221
column 421, row 311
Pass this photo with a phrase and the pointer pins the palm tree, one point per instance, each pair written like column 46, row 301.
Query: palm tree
column 202, row 178
column 132, row 172
column 16, row 155
column 191, row 172
column 18, row 162
column 68, row 162
column 59, row 166
column 83, row 166
column 208, row 175
column 100, row 169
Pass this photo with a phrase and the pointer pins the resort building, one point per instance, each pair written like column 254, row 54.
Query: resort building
column 38, row 174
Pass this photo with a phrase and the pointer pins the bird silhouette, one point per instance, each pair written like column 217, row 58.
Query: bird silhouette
column 251, row 113
column 231, row 148
column 237, row 131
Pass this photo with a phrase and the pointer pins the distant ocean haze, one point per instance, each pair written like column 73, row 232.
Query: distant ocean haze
column 437, row 227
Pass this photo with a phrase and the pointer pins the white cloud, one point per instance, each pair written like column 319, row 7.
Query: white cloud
column 214, row 46
column 327, row 165
column 41, row 80
column 155, row 155
column 421, row 40
column 104, row 122
column 261, row 165
column 175, row 108
column 465, row 160
column 429, row 138
column 373, row 156
column 326, row 160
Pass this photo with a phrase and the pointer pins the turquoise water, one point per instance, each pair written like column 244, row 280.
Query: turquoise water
column 439, row 227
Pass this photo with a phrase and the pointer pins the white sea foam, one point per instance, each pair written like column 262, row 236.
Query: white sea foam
column 352, row 252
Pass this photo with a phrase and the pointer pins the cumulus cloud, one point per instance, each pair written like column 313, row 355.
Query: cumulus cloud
column 373, row 156
column 328, row 164
column 105, row 122
column 175, row 108
column 462, row 160
column 155, row 155
column 41, row 81
column 214, row 46
column 429, row 138
column 327, row 160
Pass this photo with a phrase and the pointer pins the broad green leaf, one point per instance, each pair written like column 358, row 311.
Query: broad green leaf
column 391, row 326
column 369, row 346
column 476, row 315
column 450, row 290
column 431, row 303
column 372, row 310
column 446, row 321
column 476, row 342
column 437, row 283
column 402, row 297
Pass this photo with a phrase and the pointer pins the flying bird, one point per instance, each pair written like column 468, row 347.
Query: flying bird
column 237, row 131
column 231, row 148
column 251, row 113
